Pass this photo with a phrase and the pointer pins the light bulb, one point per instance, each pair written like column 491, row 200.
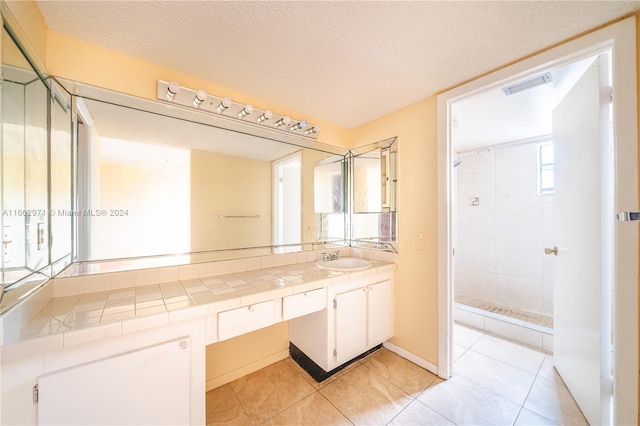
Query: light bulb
column 172, row 90
column 284, row 121
column 301, row 125
column 311, row 130
column 200, row 97
column 224, row 104
column 248, row 109
column 265, row 116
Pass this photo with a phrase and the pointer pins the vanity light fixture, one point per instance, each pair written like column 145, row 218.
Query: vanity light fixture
column 311, row 130
column 248, row 109
column 265, row 116
column 224, row 104
column 301, row 125
column 172, row 90
column 284, row 121
column 200, row 97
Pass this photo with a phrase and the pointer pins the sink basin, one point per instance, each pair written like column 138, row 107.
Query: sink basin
column 344, row 264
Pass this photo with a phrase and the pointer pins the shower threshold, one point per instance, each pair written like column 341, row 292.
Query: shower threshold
column 534, row 320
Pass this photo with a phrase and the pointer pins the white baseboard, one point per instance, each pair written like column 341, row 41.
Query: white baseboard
column 411, row 357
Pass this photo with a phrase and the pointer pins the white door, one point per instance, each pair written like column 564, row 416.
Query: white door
column 582, row 220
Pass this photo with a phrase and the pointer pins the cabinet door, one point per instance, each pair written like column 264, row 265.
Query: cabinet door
column 380, row 313
column 148, row 386
column 351, row 324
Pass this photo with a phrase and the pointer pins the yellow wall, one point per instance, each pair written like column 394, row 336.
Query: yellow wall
column 31, row 22
column 237, row 357
column 156, row 201
column 228, row 185
column 416, row 320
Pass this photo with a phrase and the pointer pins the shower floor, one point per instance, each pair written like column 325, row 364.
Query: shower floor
column 507, row 311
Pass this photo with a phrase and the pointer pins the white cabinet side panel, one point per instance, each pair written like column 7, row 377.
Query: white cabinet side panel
column 147, row 386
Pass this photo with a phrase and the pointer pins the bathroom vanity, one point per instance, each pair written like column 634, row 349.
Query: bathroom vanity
column 358, row 318
column 64, row 365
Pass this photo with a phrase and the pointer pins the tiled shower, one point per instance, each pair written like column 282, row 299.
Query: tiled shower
column 503, row 280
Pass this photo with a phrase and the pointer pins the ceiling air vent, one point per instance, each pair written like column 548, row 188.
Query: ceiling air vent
column 528, row 84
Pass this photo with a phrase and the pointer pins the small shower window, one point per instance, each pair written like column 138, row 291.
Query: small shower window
column 545, row 168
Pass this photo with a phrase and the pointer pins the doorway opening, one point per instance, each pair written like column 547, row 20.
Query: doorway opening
column 287, row 202
column 503, row 193
column 618, row 342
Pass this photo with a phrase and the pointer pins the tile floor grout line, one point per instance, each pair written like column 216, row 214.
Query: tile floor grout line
column 241, row 404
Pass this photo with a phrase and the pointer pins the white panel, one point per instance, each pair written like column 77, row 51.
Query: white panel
column 351, row 324
column 380, row 313
column 244, row 320
column 301, row 304
column 148, row 386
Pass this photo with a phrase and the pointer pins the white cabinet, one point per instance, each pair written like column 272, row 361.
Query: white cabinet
column 359, row 316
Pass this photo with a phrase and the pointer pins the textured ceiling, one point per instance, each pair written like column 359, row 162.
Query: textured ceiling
column 344, row 62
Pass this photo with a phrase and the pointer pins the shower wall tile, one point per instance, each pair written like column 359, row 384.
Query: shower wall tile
column 484, row 162
column 548, row 298
column 477, row 221
column 481, row 185
column 478, row 253
column 521, row 222
column 517, row 185
column 500, row 251
column 519, row 258
column 547, row 218
column 477, row 284
column 516, row 156
column 519, row 292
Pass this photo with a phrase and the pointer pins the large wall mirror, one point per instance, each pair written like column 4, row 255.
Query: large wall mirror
column 374, row 184
column 37, row 173
column 161, row 180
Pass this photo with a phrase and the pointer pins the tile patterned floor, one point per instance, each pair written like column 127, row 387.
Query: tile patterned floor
column 508, row 311
column 495, row 382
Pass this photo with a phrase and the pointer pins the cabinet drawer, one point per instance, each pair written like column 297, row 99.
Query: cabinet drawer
column 243, row 320
column 305, row 303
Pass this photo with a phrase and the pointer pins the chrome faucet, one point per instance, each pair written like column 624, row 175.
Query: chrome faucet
column 333, row 256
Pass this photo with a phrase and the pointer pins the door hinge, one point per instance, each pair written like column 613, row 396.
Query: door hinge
column 35, row 394
column 335, row 304
column 606, row 95
column 606, row 387
column 335, row 353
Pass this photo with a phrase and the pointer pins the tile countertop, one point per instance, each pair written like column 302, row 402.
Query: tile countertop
column 68, row 319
